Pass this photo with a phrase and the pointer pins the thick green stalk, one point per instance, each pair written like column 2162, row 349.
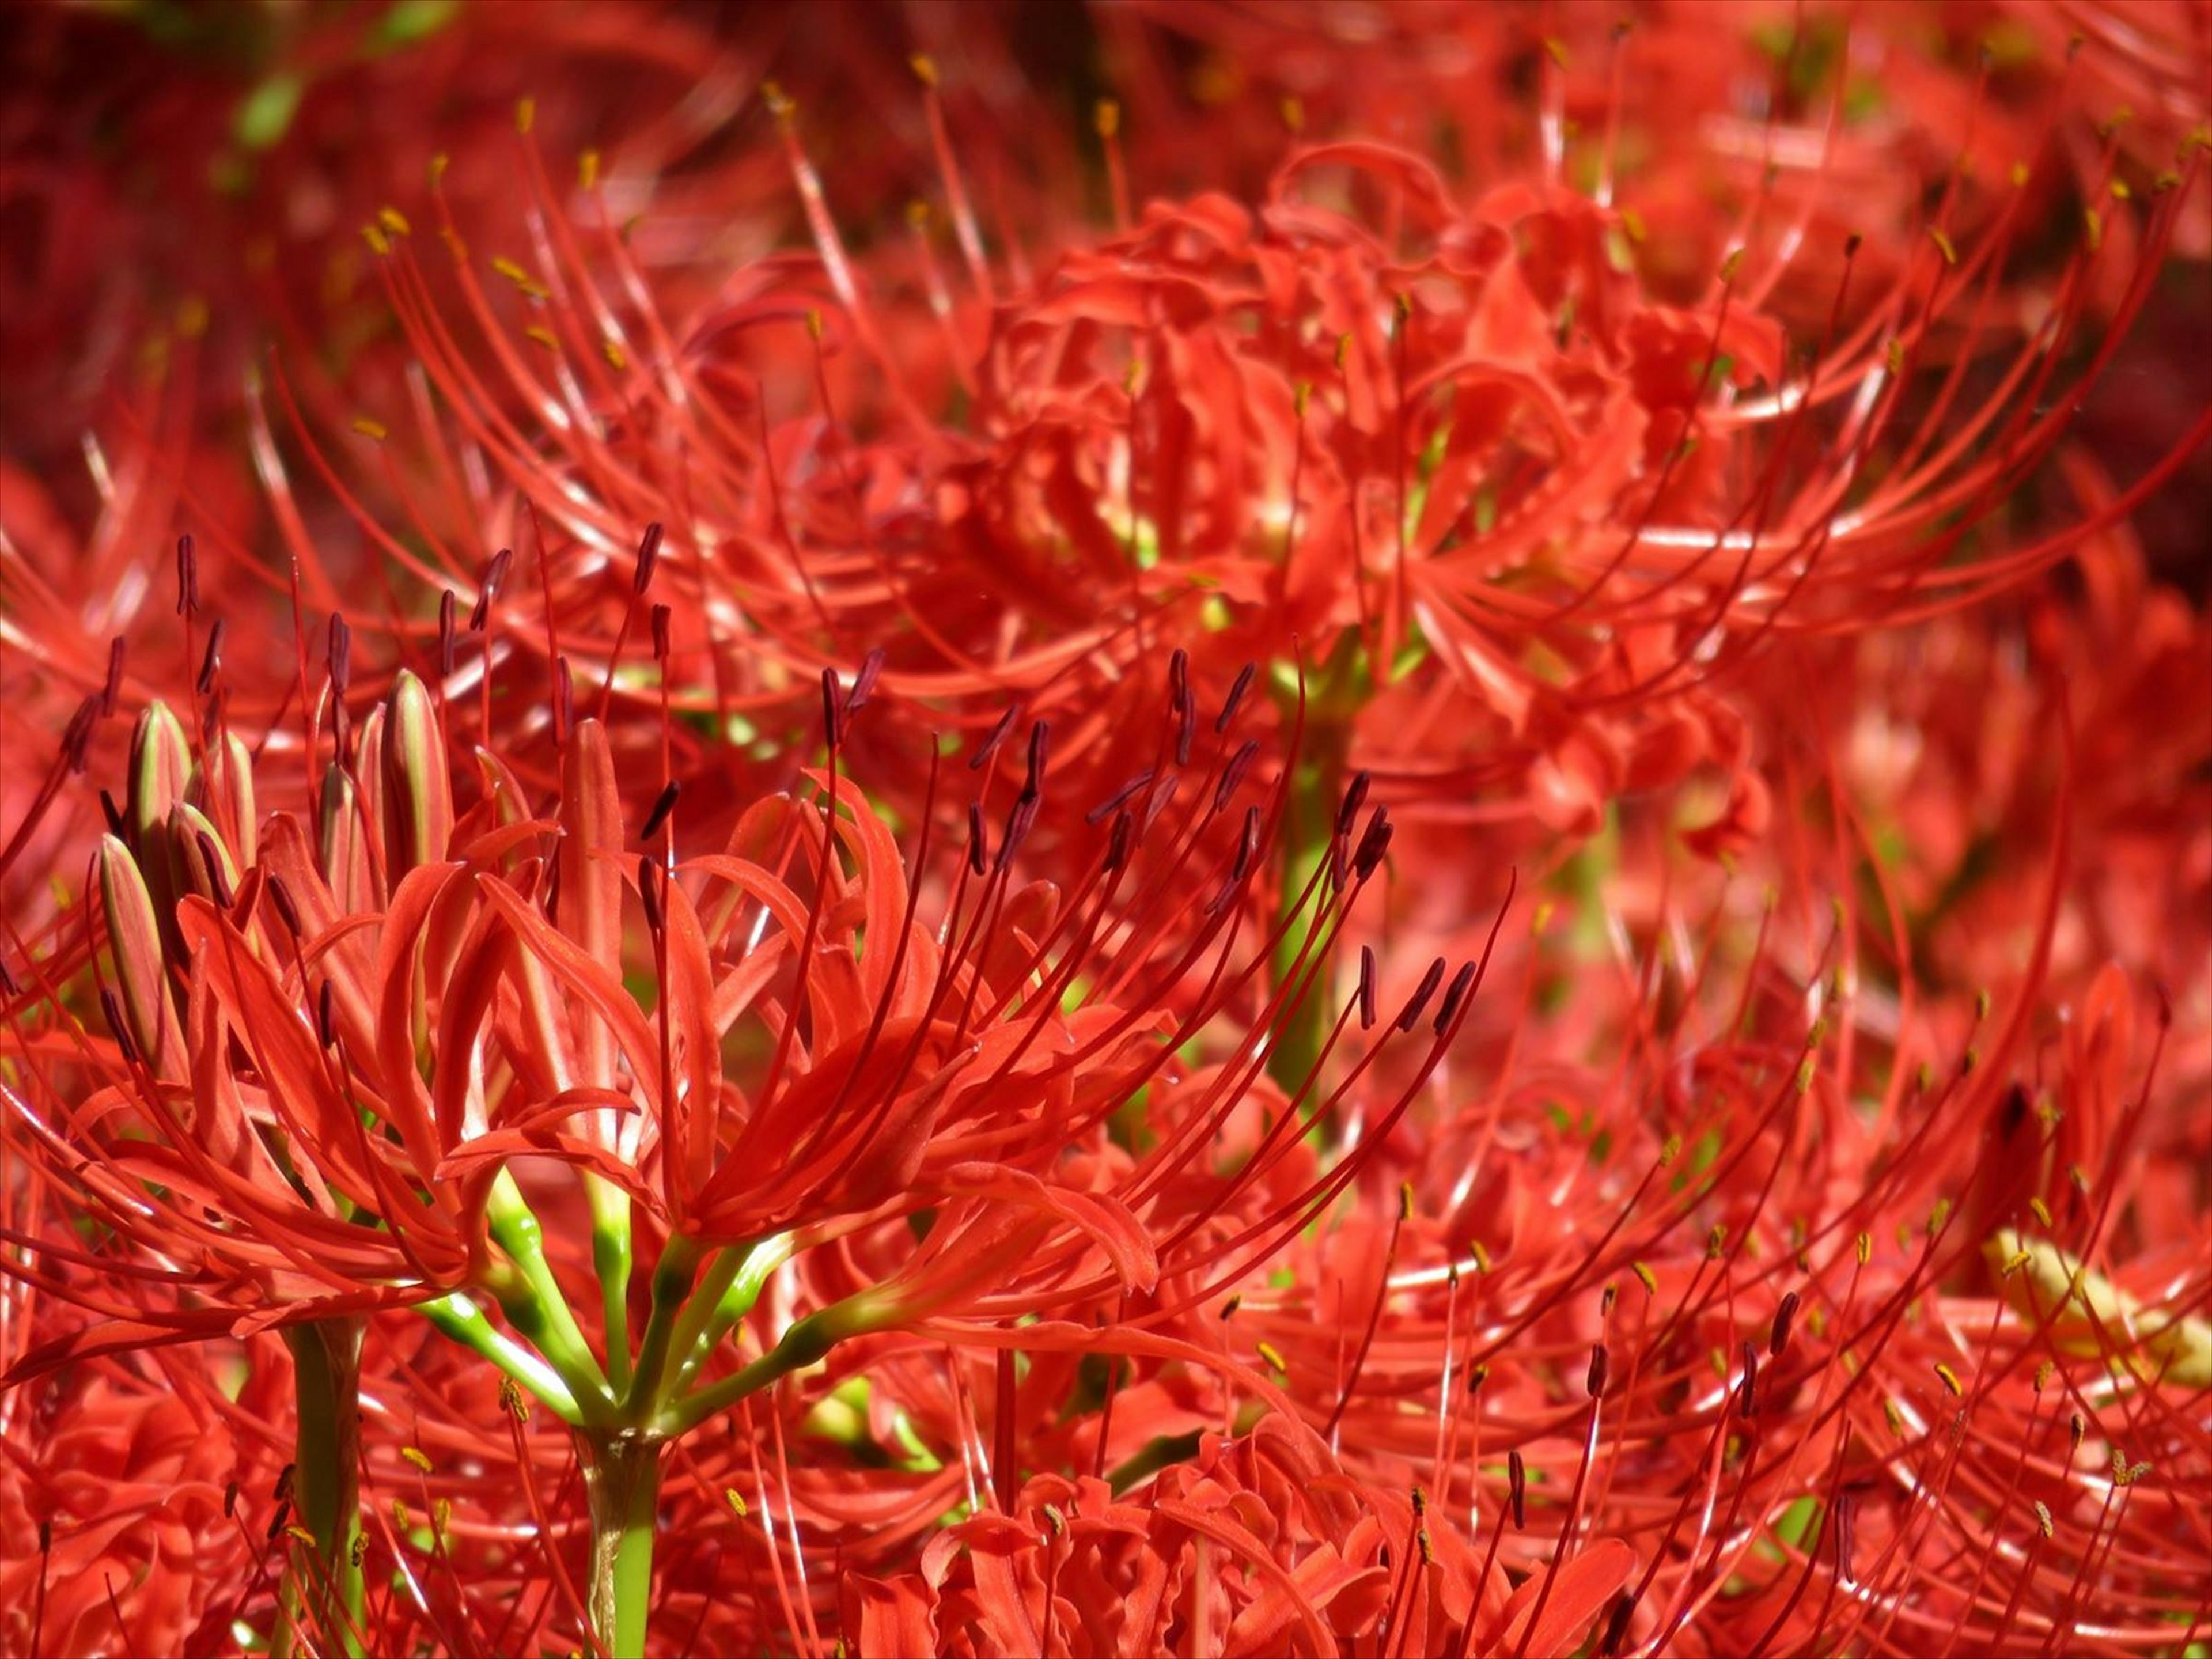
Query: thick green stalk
column 728, row 1290
column 622, row 1489
column 537, row 1306
column 328, row 1594
column 1309, row 827
column 672, row 1278
column 610, row 1261
column 459, row 1318
column 802, row 1344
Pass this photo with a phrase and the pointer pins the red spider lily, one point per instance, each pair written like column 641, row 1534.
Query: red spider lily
column 330, row 1043
column 1475, row 431
column 1258, row 1546
column 1118, row 1222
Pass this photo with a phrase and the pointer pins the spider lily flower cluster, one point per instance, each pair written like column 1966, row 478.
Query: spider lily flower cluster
column 1437, row 886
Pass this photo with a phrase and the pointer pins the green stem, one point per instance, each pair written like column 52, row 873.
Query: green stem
column 537, row 1306
column 327, row 1481
column 672, row 1278
column 622, row 1488
column 728, row 1290
column 459, row 1318
column 1309, row 826
column 610, row 1261
column 802, row 1344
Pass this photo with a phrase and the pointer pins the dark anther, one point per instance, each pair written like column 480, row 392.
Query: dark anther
column 1020, row 822
column 1355, row 797
column 1454, row 993
column 1366, row 987
column 864, row 683
column 446, row 607
column 663, row 805
column 648, row 555
column 1117, row 840
column 648, row 889
column 280, row 895
column 112, row 1010
column 1616, row 1625
column 76, row 736
column 113, row 687
column 1236, row 696
column 1516, row 1487
column 338, row 655
column 188, row 576
column 1040, row 754
column 1779, row 1338
column 1422, row 992
column 494, row 577
column 212, row 855
column 989, row 746
column 1114, row 802
column 1373, row 844
column 211, row 660
column 978, row 838
column 1233, row 773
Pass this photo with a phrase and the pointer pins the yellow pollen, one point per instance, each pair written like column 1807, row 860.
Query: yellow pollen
column 369, row 428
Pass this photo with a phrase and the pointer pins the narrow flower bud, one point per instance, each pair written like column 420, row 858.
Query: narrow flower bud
column 134, row 955
column 418, row 808
column 160, row 764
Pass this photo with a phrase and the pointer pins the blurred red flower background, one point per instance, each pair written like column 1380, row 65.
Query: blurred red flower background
column 971, row 828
